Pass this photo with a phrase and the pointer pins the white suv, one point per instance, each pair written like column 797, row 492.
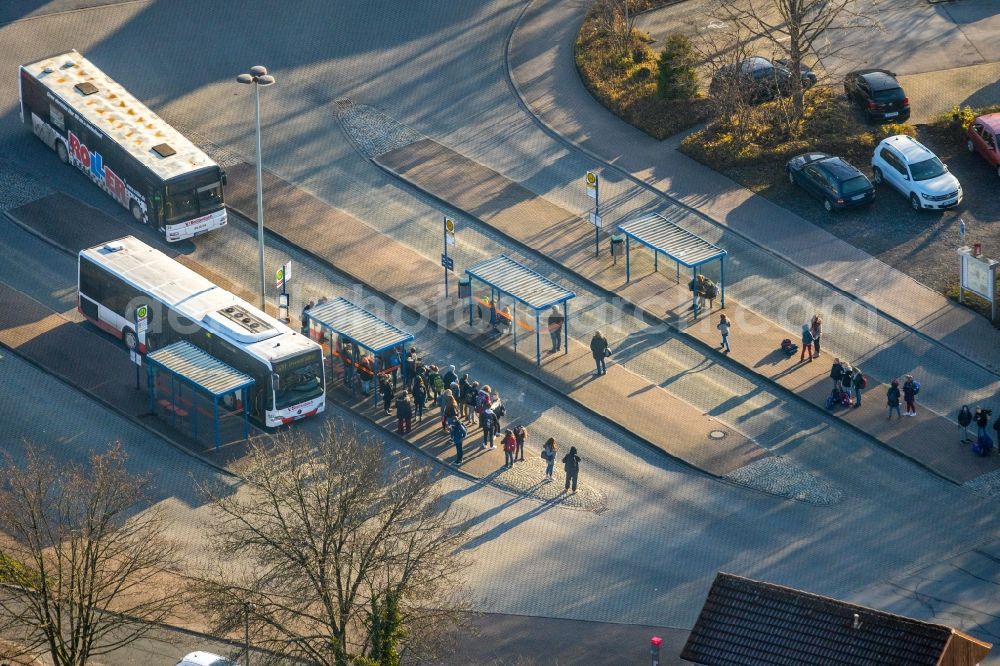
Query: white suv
column 916, row 172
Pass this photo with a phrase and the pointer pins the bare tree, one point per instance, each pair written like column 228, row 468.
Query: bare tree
column 797, row 28
column 83, row 555
column 334, row 554
column 616, row 23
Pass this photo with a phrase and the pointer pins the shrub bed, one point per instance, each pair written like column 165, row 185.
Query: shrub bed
column 753, row 149
column 626, row 85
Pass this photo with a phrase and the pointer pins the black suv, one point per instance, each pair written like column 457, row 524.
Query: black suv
column 756, row 80
column 879, row 95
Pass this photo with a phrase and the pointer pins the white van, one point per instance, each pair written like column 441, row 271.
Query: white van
column 204, row 659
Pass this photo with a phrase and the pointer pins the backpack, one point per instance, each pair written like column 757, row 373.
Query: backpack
column 863, row 383
column 438, row 383
column 480, row 401
column 916, row 387
column 711, row 291
column 845, row 399
column 832, row 400
column 983, row 446
column 501, row 410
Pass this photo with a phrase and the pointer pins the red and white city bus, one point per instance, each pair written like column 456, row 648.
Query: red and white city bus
column 127, row 150
column 116, row 277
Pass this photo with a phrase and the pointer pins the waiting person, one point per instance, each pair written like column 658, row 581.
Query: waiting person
column 807, row 344
column 509, row 443
column 520, row 436
column 396, row 362
column 487, row 421
column 996, row 428
column 964, row 420
column 484, row 399
column 464, row 389
column 892, row 399
column 837, row 374
column 385, row 390
column 449, row 408
column 458, row 432
column 697, row 287
column 404, row 411
column 555, row 324
column 708, row 291
column 366, row 368
column 910, row 395
column 411, row 364
column 600, row 350
column 571, row 462
column 450, row 377
column 723, row 327
column 305, row 322
column 347, row 360
column 549, row 455
column 982, row 420
column 419, row 399
column 471, row 398
column 858, row 382
column 816, row 330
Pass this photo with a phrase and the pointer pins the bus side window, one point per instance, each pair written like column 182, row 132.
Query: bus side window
column 90, row 281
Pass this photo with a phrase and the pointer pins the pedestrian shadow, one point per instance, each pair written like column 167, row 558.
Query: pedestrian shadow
column 774, row 358
column 499, row 530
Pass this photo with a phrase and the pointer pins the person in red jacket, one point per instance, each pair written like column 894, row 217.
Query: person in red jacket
column 509, row 446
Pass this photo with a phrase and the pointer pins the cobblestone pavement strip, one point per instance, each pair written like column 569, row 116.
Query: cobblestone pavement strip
column 555, row 233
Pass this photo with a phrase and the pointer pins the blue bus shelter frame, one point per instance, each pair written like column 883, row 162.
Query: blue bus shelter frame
column 506, row 276
column 686, row 249
column 204, row 373
column 362, row 329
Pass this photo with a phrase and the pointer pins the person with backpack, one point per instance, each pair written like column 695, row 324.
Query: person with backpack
column 807, row 344
column 892, row 399
column 484, row 400
column 304, row 319
column 983, row 445
column 910, row 395
column 450, row 377
column 723, row 327
column 395, row 361
column 600, row 350
column 487, row 421
column 449, row 408
column 473, row 397
column 404, row 411
column 858, row 382
column 964, row 419
column 509, row 443
column 458, row 432
column 555, row 324
column 466, row 397
column 549, row 456
column 837, row 374
column 571, row 462
column 816, row 330
column 520, row 436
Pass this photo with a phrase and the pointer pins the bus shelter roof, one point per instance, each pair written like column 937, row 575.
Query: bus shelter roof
column 199, row 368
column 519, row 282
column 660, row 234
column 357, row 324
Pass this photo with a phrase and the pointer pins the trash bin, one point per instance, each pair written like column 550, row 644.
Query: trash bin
column 464, row 287
column 617, row 240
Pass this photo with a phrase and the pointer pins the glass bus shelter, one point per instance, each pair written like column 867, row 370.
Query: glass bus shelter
column 537, row 293
column 364, row 331
column 196, row 382
column 686, row 249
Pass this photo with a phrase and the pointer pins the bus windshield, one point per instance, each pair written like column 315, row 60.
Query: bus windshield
column 300, row 378
column 192, row 198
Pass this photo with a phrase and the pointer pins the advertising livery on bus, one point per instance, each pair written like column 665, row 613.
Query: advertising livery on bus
column 117, row 277
column 127, row 150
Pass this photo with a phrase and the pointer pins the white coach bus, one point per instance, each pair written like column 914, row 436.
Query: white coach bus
column 116, row 277
column 127, row 150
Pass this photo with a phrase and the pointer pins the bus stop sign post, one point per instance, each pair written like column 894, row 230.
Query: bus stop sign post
column 593, row 187
column 281, row 278
column 141, row 323
column 449, row 239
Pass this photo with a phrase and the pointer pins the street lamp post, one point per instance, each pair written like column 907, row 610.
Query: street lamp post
column 258, row 76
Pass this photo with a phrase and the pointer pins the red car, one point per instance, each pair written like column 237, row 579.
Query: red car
column 983, row 134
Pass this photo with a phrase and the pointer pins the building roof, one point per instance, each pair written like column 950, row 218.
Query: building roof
column 751, row 623
column 114, row 111
column 200, row 368
column 519, row 282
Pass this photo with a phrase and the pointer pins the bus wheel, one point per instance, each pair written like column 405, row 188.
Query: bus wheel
column 136, row 211
column 129, row 340
column 62, row 152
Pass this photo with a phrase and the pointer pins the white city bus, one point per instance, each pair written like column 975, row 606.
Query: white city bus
column 116, row 277
column 124, row 148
